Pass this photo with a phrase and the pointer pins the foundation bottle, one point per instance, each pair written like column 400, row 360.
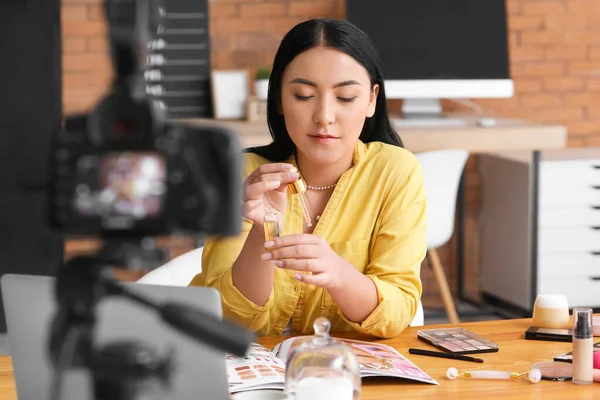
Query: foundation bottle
column 583, row 346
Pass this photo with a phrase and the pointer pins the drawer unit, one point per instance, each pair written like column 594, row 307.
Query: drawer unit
column 567, row 173
column 570, row 263
column 540, row 229
column 579, row 196
column 568, row 217
column 584, row 238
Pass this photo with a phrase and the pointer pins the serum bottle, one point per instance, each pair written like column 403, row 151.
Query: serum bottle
column 271, row 224
column 583, row 349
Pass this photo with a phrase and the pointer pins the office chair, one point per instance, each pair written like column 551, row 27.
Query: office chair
column 442, row 171
column 178, row 272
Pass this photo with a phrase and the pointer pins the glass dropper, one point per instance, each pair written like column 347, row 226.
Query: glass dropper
column 298, row 188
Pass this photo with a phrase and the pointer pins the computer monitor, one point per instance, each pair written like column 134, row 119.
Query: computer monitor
column 437, row 49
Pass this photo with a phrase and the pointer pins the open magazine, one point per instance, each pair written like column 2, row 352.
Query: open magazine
column 262, row 368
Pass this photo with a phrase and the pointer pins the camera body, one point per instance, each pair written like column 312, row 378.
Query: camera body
column 122, row 171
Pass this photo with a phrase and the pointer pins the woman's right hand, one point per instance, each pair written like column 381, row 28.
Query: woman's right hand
column 266, row 187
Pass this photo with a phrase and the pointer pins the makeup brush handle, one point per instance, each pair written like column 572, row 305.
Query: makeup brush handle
column 482, row 374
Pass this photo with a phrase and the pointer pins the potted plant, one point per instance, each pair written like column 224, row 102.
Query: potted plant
column 261, row 83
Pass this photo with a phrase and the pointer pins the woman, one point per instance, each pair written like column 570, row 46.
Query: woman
column 359, row 262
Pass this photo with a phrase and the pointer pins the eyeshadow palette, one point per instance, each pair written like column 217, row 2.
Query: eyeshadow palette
column 551, row 334
column 457, row 340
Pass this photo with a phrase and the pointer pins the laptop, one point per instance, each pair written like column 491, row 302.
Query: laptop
column 29, row 302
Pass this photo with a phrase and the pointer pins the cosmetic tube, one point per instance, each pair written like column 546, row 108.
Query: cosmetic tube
column 583, row 346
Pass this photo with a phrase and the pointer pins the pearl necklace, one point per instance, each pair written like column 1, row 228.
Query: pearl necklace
column 321, row 187
column 318, row 217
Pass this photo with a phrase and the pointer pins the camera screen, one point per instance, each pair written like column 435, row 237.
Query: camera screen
column 121, row 185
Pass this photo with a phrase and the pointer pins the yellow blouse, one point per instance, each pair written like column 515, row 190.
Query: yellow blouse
column 375, row 219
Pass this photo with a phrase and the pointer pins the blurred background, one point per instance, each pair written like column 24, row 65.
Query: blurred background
column 553, row 61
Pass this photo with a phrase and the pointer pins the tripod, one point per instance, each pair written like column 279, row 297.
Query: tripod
column 198, row 192
column 121, row 369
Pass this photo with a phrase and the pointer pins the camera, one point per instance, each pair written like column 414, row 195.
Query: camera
column 123, row 170
column 120, row 171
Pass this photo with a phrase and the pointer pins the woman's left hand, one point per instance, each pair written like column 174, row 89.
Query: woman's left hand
column 308, row 253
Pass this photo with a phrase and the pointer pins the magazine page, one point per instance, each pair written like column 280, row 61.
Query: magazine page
column 376, row 359
column 259, row 369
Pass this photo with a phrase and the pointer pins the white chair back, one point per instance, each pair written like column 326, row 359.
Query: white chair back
column 178, row 272
column 441, row 174
column 419, row 318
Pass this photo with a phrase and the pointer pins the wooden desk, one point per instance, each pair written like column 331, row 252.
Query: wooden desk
column 507, row 134
column 8, row 391
column 516, row 354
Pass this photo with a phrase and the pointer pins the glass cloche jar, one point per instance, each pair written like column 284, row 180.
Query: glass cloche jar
column 322, row 368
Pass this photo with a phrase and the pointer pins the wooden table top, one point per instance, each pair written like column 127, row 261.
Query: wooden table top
column 8, row 391
column 516, row 355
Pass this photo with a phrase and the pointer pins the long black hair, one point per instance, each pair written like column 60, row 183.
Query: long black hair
column 336, row 34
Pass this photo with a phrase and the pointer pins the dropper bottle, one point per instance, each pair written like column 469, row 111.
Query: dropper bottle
column 298, row 188
column 271, row 224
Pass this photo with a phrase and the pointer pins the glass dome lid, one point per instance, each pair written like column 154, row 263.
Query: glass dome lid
column 322, row 368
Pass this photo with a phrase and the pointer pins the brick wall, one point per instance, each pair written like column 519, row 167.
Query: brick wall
column 555, row 62
column 244, row 34
column 554, row 50
column 86, row 65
